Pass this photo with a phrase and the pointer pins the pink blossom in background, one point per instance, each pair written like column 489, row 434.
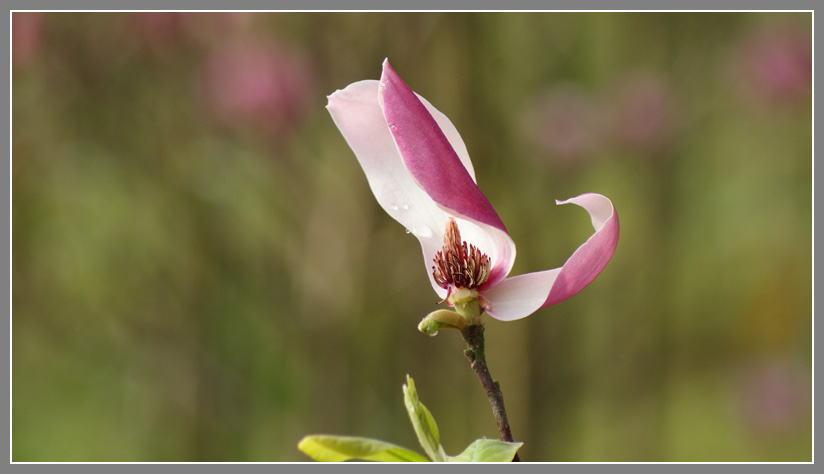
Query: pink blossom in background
column 642, row 113
column 774, row 395
column 563, row 123
column 256, row 83
column 26, row 30
column 774, row 65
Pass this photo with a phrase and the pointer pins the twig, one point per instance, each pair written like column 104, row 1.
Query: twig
column 473, row 335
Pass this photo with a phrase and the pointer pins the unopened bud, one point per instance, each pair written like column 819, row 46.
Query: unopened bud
column 440, row 319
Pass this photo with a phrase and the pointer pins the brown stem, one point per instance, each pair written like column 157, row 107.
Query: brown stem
column 473, row 334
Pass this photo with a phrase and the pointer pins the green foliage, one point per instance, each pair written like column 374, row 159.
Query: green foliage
column 487, row 450
column 328, row 448
column 425, row 427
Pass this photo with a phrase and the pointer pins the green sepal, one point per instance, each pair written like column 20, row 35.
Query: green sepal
column 487, row 450
column 329, row 448
column 423, row 422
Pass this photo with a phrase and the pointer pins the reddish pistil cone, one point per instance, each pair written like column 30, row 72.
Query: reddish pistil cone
column 459, row 265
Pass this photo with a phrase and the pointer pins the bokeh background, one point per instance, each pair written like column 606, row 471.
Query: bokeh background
column 200, row 272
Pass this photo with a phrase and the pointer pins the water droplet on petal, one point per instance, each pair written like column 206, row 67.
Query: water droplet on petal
column 393, row 206
column 422, row 231
column 404, row 206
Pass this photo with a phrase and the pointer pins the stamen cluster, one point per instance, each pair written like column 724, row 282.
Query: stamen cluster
column 459, row 265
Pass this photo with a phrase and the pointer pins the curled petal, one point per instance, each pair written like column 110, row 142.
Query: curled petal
column 522, row 295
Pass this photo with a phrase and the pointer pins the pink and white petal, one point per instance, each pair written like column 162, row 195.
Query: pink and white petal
column 429, row 155
column 589, row 259
column 452, row 135
column 356, row 113
column 494, row 242
column 436, row 157
column 520, row 296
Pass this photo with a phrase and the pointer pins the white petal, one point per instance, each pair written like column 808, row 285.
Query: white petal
column 519, row 296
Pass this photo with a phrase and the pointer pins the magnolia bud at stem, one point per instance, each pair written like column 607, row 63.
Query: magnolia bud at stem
column 442, row 318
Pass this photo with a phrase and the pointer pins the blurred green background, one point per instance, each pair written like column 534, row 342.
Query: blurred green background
column 200, row 272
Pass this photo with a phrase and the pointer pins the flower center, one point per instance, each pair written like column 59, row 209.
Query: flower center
column 459, row 265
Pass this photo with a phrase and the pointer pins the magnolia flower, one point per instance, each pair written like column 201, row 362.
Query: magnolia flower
column 419, row 170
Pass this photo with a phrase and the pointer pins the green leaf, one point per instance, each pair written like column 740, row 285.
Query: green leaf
column 423, row 422
column 329, row 448
column 487, row 450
